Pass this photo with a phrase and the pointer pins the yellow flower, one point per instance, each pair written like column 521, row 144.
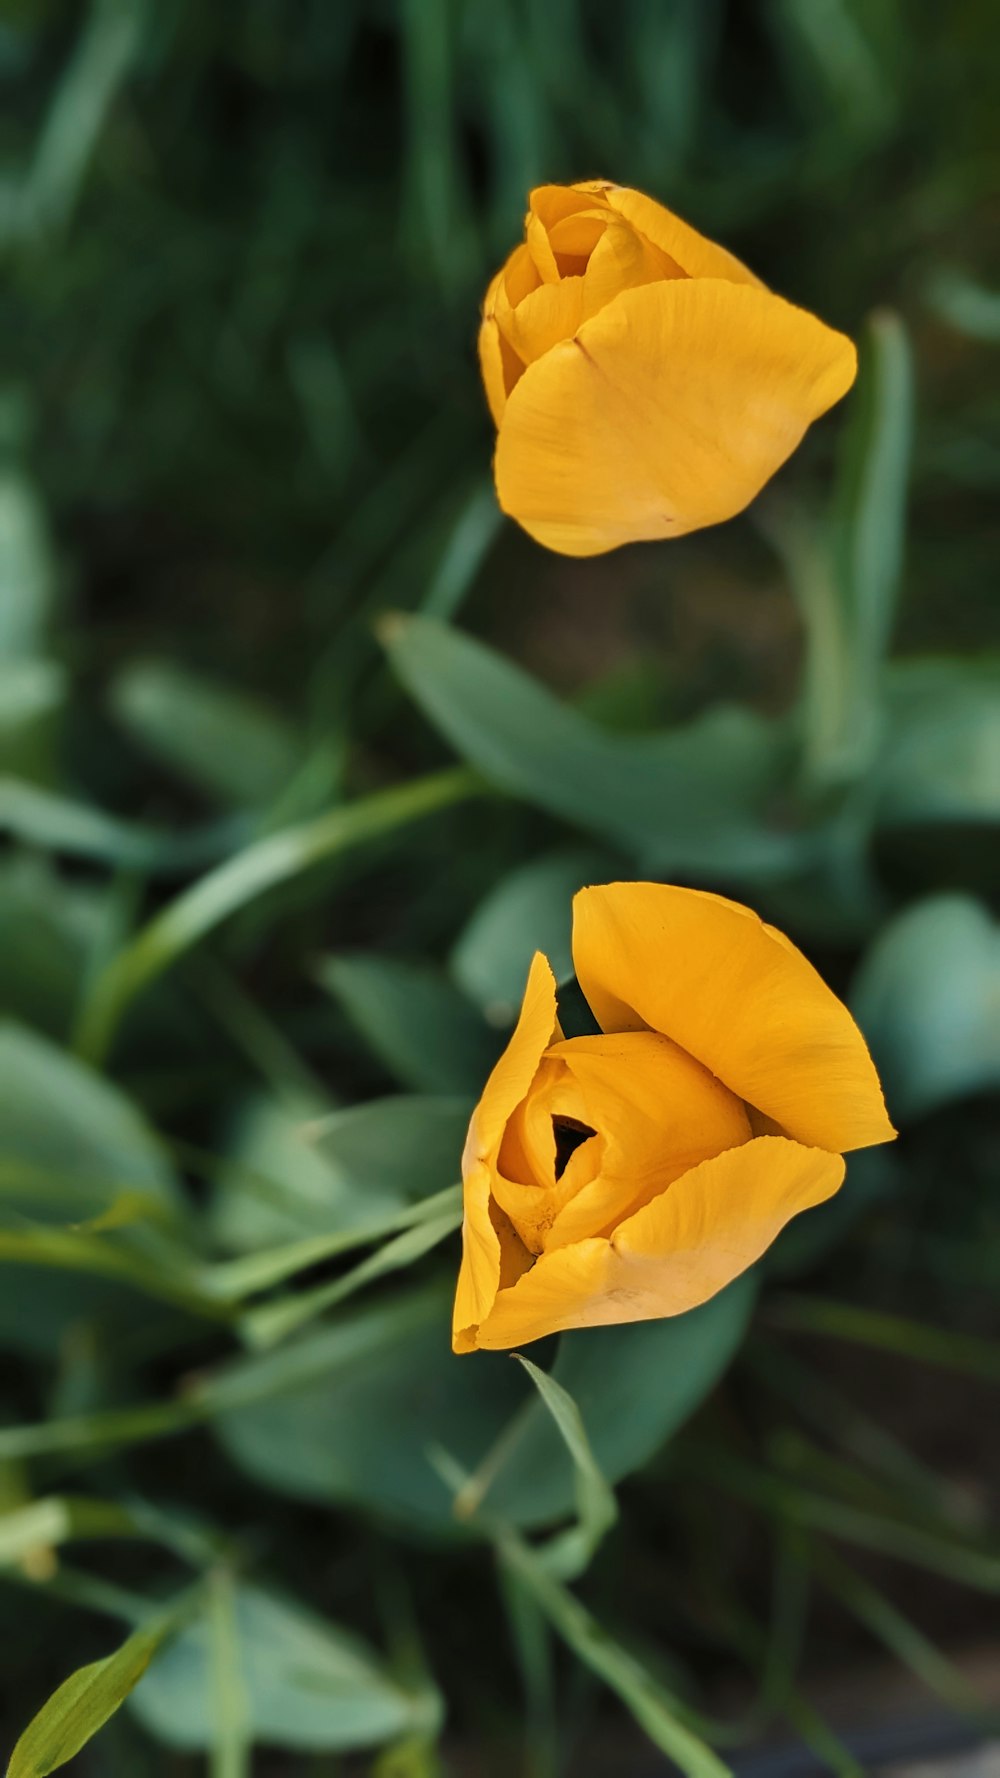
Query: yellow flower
column 643, row 382
column 634, row 1173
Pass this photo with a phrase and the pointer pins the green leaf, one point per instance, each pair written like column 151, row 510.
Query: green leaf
column 656, row 1712
column 940, row 760
column 31, row 694
column 348, row 1412
column 83, row 1703
column 278, row 858
column 847, row 579
column 234, row 1280
column 77, row 1145
column 634, row 1386
column 693, row 799
column 926, row 997
column 418, row 1024
column 530, row 909
column 306, row 1684
column 49, row 927
column 215, row 738
column 570, row 1553
column 271, row 1322
column 60, row 1117
column 27, row 571
column 232, row 1742
column 301, row 1175
column 60, row 824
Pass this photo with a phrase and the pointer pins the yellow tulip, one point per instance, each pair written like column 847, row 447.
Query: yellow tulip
column 634, row 1173
column 643, row 382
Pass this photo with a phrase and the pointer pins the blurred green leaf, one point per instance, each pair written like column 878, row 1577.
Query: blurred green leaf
column 348, row 1412
column 86, row 1144
column 690, row 800
column 927, row 998
column 50, row 926
column 414, row 1019
column 847, row 578
column 234, row 1280
column 278, row 858
column 303, row 1174
column 530, row 909
column 31, row 695
column 966, row 304
column 60, row 1117
column 27, row 573
column 103, row 55
column 61, row 824
column 232, row 1743
column 270, row 1322
column 940, row 760
column 223, row 742
column 308, row 1685
column 656, row 1712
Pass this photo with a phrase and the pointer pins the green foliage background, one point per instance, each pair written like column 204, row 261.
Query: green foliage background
column 303, row 750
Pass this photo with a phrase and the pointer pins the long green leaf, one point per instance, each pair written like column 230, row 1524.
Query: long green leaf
column 275, row 1321
column 263, row 865
column 568, row 1554
column 85, row 1701
column 653, row 1708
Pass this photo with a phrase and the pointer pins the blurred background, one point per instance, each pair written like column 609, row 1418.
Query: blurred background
column 303, row 749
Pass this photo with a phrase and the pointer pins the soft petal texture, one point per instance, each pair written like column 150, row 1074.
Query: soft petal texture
column 666, row 411
column 699, row 257
column 479, row 1277
column 675, row 1253
column 739, row 997
column 622, row 260
column 542, row 318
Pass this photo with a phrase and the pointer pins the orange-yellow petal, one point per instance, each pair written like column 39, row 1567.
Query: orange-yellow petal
column 622, row 260
column 699, row 257
column 738, row 996
column 658, row 1113
column 668, row 410
column 479, row 1275
column 675, row 1253
column 542, row 318
column 491, row 347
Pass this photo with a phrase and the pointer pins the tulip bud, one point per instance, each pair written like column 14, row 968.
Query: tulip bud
column 643, row 382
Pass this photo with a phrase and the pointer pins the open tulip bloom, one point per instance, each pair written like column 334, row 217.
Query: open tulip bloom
column 634, row 1173
column 643, row 382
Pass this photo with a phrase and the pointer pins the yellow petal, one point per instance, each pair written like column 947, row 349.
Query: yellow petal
column 699, row 257
column 547, row 315
column 658, row 1113
column 668, row 410
column 517, row 278
column 738, row 996
column 499, row 364
column 479, row 1276
column 675, row 1253
column 621, row 260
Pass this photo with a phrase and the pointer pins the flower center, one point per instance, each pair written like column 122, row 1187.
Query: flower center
column 570, row 1134
column 608, row 1123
